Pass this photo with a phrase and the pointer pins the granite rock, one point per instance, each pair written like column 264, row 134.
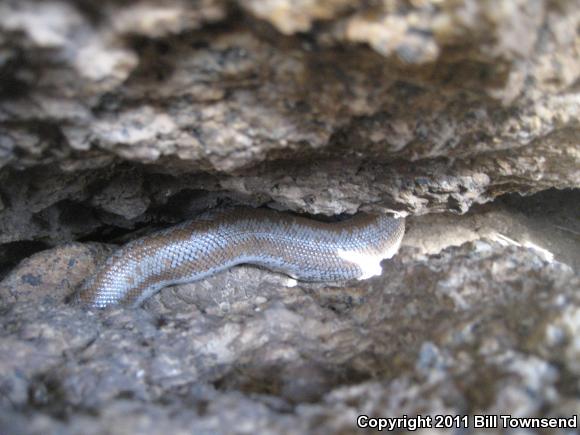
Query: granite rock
column 117, row 118
column 414, row 107
column 480, row 328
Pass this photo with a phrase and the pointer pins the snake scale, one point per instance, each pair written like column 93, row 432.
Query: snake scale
column 302, row 248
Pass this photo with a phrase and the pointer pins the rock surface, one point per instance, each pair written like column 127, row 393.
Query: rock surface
column 481, row 328
column 490, row 327
column 120, row 117
column 316, row 106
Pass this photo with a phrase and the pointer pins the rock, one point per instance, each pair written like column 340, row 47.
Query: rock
column 486, row 326
column 118, row 118
column 433, row 116
column 53, row 274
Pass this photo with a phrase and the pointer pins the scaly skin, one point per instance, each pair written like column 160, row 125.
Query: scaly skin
column 302, row 248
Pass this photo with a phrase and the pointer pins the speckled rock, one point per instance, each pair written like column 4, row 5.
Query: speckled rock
column 481, row 328
column 415, row 107
column 52, row 274
column 119, row 117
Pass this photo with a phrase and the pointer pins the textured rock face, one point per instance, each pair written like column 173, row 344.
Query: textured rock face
column 411, row 106
column 118, row 117
column 482, row 328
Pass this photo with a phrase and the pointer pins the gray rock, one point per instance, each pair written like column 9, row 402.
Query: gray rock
column 481, row 327
column 122, row 117
column 433, row 116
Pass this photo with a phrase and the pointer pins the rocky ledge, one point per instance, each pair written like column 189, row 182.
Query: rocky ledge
column 117, row 118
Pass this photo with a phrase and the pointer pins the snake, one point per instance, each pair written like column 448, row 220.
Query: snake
column 302, row 248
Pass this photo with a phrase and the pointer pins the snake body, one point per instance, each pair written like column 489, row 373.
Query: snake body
column 302, row 248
